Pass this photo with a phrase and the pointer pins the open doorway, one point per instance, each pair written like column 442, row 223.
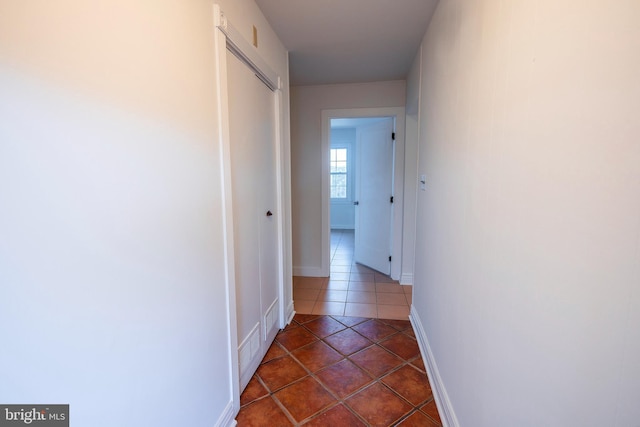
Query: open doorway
column 363, row 190
column 361, row 165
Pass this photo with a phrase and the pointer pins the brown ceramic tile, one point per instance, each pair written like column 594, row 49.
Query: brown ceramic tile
column 263, row 413
column 306, row 294
column 401, row 345
column 391, row 299
column 409, row 383
column 328, row 307
column 361, row 277
column 274, row 352
column 401, row 325
column 295, row 338
column 392, row 288
column 431, row 410
column 338, row 416
column 316, row 356
column 253, row 391
column 347, row 341
column 344, row 378
column 304, row 307
column 418, row 419
column 379, row 406
column 374, row 329
column 361, row 297
column 419, row 363
column 324, row 326
column 280, row 372
column 350, row 321
column 376, row 360
column 340, row 378
column 304, row 398
column 361, row 309
column 393, row 312
column 332, row 295
column 304, row 318
column 337, row 285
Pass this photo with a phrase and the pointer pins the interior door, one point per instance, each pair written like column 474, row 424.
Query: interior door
column 253, row 182
column 374, row 189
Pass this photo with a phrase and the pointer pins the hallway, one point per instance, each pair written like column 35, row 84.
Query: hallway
column 340, row 371
column 352, row 289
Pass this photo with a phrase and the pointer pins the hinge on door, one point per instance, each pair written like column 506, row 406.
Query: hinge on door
column 393, row 136
column 389, row 258
column 391, row 199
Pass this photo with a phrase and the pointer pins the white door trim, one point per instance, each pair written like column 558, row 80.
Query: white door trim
column 398, row 180
column 226, row 37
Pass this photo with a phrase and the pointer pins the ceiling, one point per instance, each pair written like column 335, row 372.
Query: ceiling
column 348, row 41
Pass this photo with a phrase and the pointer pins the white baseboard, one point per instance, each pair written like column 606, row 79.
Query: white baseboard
column 406, row 279
column 228, row 417
column 308, row 272
column 443, row 403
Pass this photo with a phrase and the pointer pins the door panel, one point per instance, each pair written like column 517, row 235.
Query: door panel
column 374, row 188
column 253, row 182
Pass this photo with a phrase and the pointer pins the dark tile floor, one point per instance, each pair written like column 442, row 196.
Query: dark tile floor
column 340, row 371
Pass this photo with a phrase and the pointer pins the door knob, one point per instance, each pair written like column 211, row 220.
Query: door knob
column 356, row 203
column 269, row 213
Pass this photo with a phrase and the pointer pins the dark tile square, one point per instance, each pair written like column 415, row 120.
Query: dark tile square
column 418, row 419
column 431, row 410
column 324, row 326
column 280, row 372
column 344, row 378
column 378, row 405
column 316, row 356
column 347, row 341
column 253, row 391
column 304, row 318
column 338, row 416
column 374, row 329
column 401, row 345
column 263, row 413
column 400, row 325
column 295, row 338
column 274, row 352
column 376, row 360
column 409, row 383
column 304, row 398
column 350, row 321
column 419, row 363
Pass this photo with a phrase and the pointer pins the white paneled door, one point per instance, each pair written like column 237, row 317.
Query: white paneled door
column 253, row 180
column 374, row 189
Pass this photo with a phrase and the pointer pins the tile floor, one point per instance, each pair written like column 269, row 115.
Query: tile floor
column 352, row 289
column 340, row 371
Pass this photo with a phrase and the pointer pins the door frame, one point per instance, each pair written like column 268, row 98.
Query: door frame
column 398, row 180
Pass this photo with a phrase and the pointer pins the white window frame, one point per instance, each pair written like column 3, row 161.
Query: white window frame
column 350, row 176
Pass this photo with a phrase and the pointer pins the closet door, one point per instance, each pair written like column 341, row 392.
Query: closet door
column 253, row 182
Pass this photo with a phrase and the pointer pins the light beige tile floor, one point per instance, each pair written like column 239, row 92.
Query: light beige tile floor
column 351, row 289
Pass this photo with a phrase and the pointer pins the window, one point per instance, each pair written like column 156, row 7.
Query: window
column 338, row 167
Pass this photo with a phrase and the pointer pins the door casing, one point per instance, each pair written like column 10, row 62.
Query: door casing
column 398, row 187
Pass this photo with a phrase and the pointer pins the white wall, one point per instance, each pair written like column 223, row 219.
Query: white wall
column 112, row 276
column 528, row 238
column 343, row 213
column 307, row 103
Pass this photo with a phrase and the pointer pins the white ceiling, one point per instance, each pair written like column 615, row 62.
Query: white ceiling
column 347, row 41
